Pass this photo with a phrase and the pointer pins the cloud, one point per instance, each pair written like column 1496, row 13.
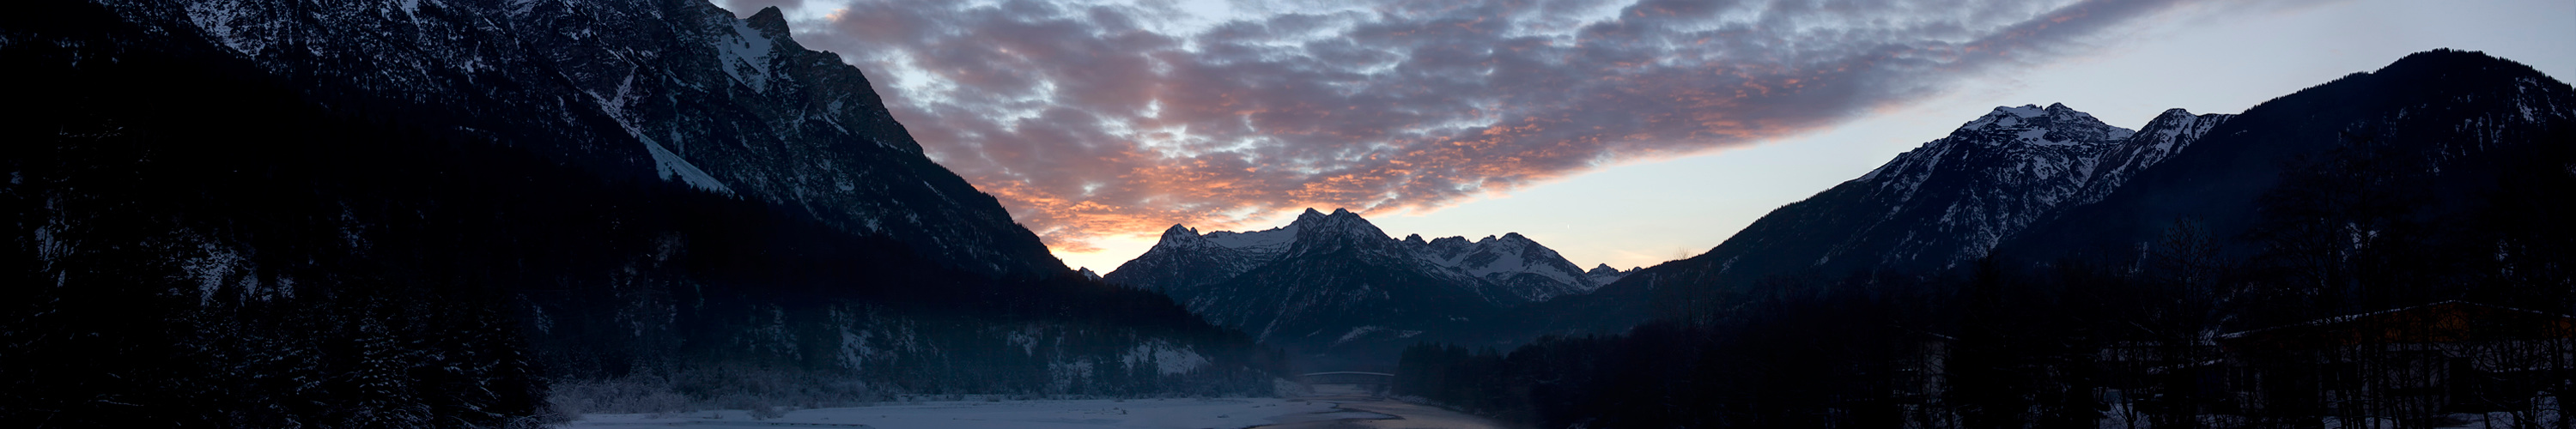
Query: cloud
column 1093, row 119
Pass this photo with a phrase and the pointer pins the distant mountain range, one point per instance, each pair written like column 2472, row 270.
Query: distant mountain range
column 1334, row 285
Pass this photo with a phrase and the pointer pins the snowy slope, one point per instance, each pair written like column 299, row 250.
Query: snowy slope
column 1948, row 201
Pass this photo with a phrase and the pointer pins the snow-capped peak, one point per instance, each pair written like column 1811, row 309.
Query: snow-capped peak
column 2052, row 125
column 2008, row 116
column 1999, row 173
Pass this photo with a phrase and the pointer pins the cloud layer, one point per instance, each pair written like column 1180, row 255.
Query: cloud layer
column 1096, row 119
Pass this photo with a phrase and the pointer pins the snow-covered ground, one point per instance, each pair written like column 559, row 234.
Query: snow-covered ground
column 1035, row 414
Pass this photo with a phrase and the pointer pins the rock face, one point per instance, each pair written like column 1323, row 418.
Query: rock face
column 672, row 89
column 2036, row 183
column 1335, row 282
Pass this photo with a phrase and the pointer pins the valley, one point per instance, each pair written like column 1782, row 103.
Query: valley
column 657, row 213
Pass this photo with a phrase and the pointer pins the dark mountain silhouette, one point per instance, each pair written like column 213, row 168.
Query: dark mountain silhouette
column 2059, row 185
column 2346, row 252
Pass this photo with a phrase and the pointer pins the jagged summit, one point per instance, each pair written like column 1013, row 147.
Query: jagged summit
column 770, row 21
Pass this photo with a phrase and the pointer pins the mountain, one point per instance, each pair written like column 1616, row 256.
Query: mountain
column 1949, row 201
column 2436, row 131
column 1335, row 282
column 1954, row 198
column 2040, row 184
column 2438, row 181
column 674, row 89
column 1603, row 274
column 403, row 214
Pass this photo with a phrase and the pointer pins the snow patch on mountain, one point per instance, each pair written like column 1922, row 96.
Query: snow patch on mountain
column 218, row 19
column 1168, row 359
column 745, row 56
column 669, row 165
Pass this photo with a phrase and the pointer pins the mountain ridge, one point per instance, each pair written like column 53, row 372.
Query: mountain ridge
column 2131, row 195
column 1336, row 286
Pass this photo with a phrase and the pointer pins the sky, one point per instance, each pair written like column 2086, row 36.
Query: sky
column 1619, row 132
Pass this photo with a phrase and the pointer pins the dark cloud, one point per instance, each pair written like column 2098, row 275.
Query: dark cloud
column 1089, row 120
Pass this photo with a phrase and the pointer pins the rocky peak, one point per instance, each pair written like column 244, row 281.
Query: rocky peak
column 1312, row 216
column 2054, row 125
column 1179, row 233
column 2178, row 121
column 1604, row 275
column 1322, row 232
column 769, row 21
